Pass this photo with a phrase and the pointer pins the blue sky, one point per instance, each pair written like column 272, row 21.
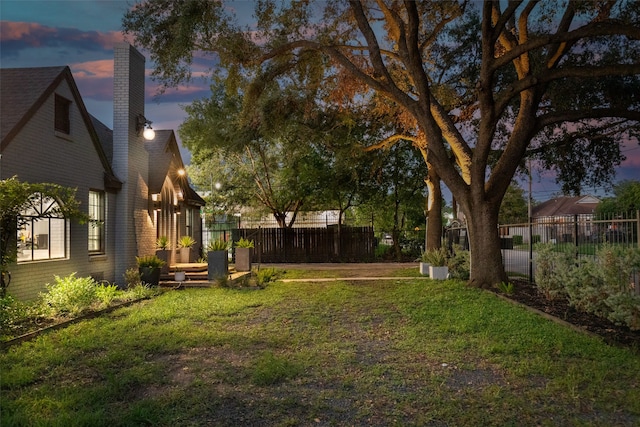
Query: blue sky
column 81, row 34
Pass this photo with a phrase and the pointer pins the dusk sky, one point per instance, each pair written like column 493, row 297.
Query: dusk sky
column 82, row 33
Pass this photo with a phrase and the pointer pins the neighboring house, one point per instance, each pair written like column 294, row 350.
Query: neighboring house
column 562, row 207
column 564, row 219
column 133, row 190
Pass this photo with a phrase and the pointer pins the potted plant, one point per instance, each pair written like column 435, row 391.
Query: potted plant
column 186, row 243
column 424, row 264
column 180, row 275
column 217, row 259
column 163, row 252
column 244, row 250
column 437, row 259
column 149, row 267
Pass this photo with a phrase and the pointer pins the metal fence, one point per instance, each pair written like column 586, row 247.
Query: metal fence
column 581, row 234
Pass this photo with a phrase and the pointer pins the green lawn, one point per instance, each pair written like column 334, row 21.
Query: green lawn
column 397, row 352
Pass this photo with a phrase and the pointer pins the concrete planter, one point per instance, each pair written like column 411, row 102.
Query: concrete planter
column 217, row 264
column 439, row 273
column 164, row 254
column 424, row 268
column 185, row 255
column 150, row 275
column 243, row 259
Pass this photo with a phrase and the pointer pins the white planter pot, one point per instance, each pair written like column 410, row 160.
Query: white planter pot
column 180, row 276
column 424, row 268
column 438, row 273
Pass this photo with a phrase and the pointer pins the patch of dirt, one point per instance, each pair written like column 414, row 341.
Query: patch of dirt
column 527, row 294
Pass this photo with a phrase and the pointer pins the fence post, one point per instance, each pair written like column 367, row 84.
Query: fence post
column 575, row 235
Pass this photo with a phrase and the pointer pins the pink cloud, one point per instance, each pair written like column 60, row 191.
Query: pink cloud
column 18, row 36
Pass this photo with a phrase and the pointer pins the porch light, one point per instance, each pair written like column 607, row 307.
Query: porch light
column 143, row 128
column 176, row 209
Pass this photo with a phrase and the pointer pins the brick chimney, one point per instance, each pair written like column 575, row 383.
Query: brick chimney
column 134, row 228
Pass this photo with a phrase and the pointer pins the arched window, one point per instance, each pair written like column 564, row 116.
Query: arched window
column 42, row 230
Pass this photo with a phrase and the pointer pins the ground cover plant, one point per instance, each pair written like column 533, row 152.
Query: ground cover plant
column 403, row 352
column 65, row 299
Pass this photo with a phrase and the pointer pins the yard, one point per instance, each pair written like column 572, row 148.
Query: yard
column 379, row 352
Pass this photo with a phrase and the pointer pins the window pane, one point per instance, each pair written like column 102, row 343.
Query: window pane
column 57, row 238
column 62, row 122
column 96, row 221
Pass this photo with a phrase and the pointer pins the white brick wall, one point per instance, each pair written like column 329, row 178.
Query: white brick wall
column 135, row 234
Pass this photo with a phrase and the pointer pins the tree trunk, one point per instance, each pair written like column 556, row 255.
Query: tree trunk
column 484, row 244
column 434, row 211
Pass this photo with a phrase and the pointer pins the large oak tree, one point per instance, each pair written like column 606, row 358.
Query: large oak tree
column 486, row 83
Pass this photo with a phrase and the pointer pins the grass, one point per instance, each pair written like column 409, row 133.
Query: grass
column 326, row 353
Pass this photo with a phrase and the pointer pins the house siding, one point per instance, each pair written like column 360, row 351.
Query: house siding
column 40, row 154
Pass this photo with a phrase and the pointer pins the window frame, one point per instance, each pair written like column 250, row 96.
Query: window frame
column 62, row 115
column 34, row 220
column 96, row 225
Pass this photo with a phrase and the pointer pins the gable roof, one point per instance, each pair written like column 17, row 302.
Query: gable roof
column 24, row 90
column 560, row 206
column 165, row 159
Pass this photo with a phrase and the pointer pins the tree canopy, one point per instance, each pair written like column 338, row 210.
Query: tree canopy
column 485, row 83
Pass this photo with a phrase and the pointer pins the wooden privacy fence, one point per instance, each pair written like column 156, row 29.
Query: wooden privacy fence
column 297, row 245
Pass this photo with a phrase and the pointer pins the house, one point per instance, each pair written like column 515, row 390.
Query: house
column 565, row 219
column 561, row 207
column 132, row 189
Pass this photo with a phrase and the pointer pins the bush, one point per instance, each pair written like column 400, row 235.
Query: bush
column 266, row 275
column 106, row 294
column 69, row 296
column 383, row 251
column 601, row 286
column 518, row 240
column 132, row 278
column 535, row 239
column 550, row 266
column 459, row 264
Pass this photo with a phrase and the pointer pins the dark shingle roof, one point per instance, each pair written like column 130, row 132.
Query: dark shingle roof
column 22, row 91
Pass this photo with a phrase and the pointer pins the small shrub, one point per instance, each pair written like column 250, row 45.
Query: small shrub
column 506, row 288
column 383, row 251
column 460, row 264
column 132, row 278
column 163, row 243
column 535, row 239
column 69, row 296
column 217, row 245
column 149, row 261
column 266, row 275
column 244, row 243
column 106, row 294
column 186, row 242
column 139, row 291
column 518, row 240
column 550, row 267
column 435, row 257
column 12, row 312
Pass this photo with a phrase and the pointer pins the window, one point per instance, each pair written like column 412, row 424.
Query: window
column 188, row 218
column 42, row 232
column 62, row 115
column 96, row 222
